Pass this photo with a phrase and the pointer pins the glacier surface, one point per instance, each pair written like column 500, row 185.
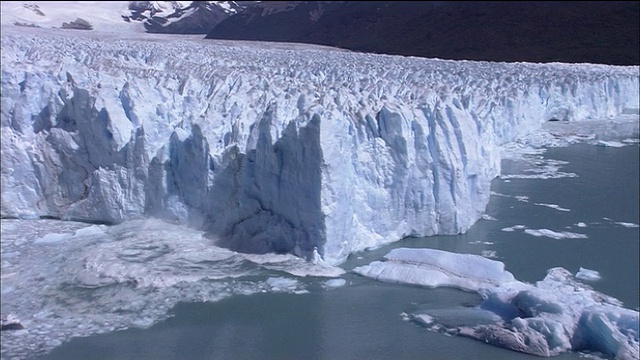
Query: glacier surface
column 555, row 315
column 272, row 147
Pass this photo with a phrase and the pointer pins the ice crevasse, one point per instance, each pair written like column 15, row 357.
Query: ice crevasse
column 273, row 148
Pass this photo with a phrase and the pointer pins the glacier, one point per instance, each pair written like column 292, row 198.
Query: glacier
column 284, row 148
column 552, row 316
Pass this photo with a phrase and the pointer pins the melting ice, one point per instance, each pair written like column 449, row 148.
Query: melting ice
column 552, row 316
column 280, row 148
column 271, row 148
column 65, row 279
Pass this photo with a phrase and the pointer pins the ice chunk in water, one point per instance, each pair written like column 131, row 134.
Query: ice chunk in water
column 555, row 315
column 434, row 268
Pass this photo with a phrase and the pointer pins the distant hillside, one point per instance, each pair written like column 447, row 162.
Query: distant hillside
column 533, row 31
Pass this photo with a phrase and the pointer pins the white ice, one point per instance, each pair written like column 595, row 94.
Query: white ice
column 134, row 273
column 546, row 232
column 587, row 274
column 282, row 283
column 433, row 268
column 594, row 131
column 555, row 234
column 554, row 315
column 488, row 217
column 627, row 224
column 514, row 228
column 538, row 166
column 270, row 147
column 611, row 143
column 274, row 147
column 553, row 206
column 105, row 16
column 334, row 283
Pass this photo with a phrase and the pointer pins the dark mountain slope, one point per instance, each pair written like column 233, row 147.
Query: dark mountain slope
column 535, row 31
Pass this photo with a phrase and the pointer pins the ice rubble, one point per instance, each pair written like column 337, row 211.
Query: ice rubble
column 272, row 147
column 555, row 315
column 64, row 279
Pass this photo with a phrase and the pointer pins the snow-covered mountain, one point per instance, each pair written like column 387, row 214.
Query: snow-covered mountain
column 198, row 17
column 272, row 147
column 179, row 17
column 100, row 15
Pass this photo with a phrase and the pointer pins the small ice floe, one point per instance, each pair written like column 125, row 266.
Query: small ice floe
column 514, row 228
column 423, row 319
column 489, row 254
column 334, row 283
column 586, row 274
column 610, row 143
column 554, row 234
column 481, row 242
column 541, row 169
column 282, row 283
column 581, row 225
column 488, row 217
column 553, row 206
column 626, row 224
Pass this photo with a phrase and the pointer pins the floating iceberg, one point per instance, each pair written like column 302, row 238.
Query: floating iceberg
column 554, row 315
column 428, row 267
column 272, row 148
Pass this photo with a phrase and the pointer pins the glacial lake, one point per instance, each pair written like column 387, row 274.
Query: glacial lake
column 363, row 319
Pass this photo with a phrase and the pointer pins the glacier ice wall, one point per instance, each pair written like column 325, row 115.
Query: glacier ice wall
column 282, row 148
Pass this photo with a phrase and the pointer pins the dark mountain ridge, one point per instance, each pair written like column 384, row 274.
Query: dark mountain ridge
column 532, row 31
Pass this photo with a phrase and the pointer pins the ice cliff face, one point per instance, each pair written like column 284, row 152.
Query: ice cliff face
column 272, row 147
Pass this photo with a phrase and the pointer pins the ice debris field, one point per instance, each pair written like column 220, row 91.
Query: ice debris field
column 554, row 315
column 307, row 152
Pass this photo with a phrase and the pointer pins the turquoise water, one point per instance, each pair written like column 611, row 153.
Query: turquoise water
column 363, row 319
